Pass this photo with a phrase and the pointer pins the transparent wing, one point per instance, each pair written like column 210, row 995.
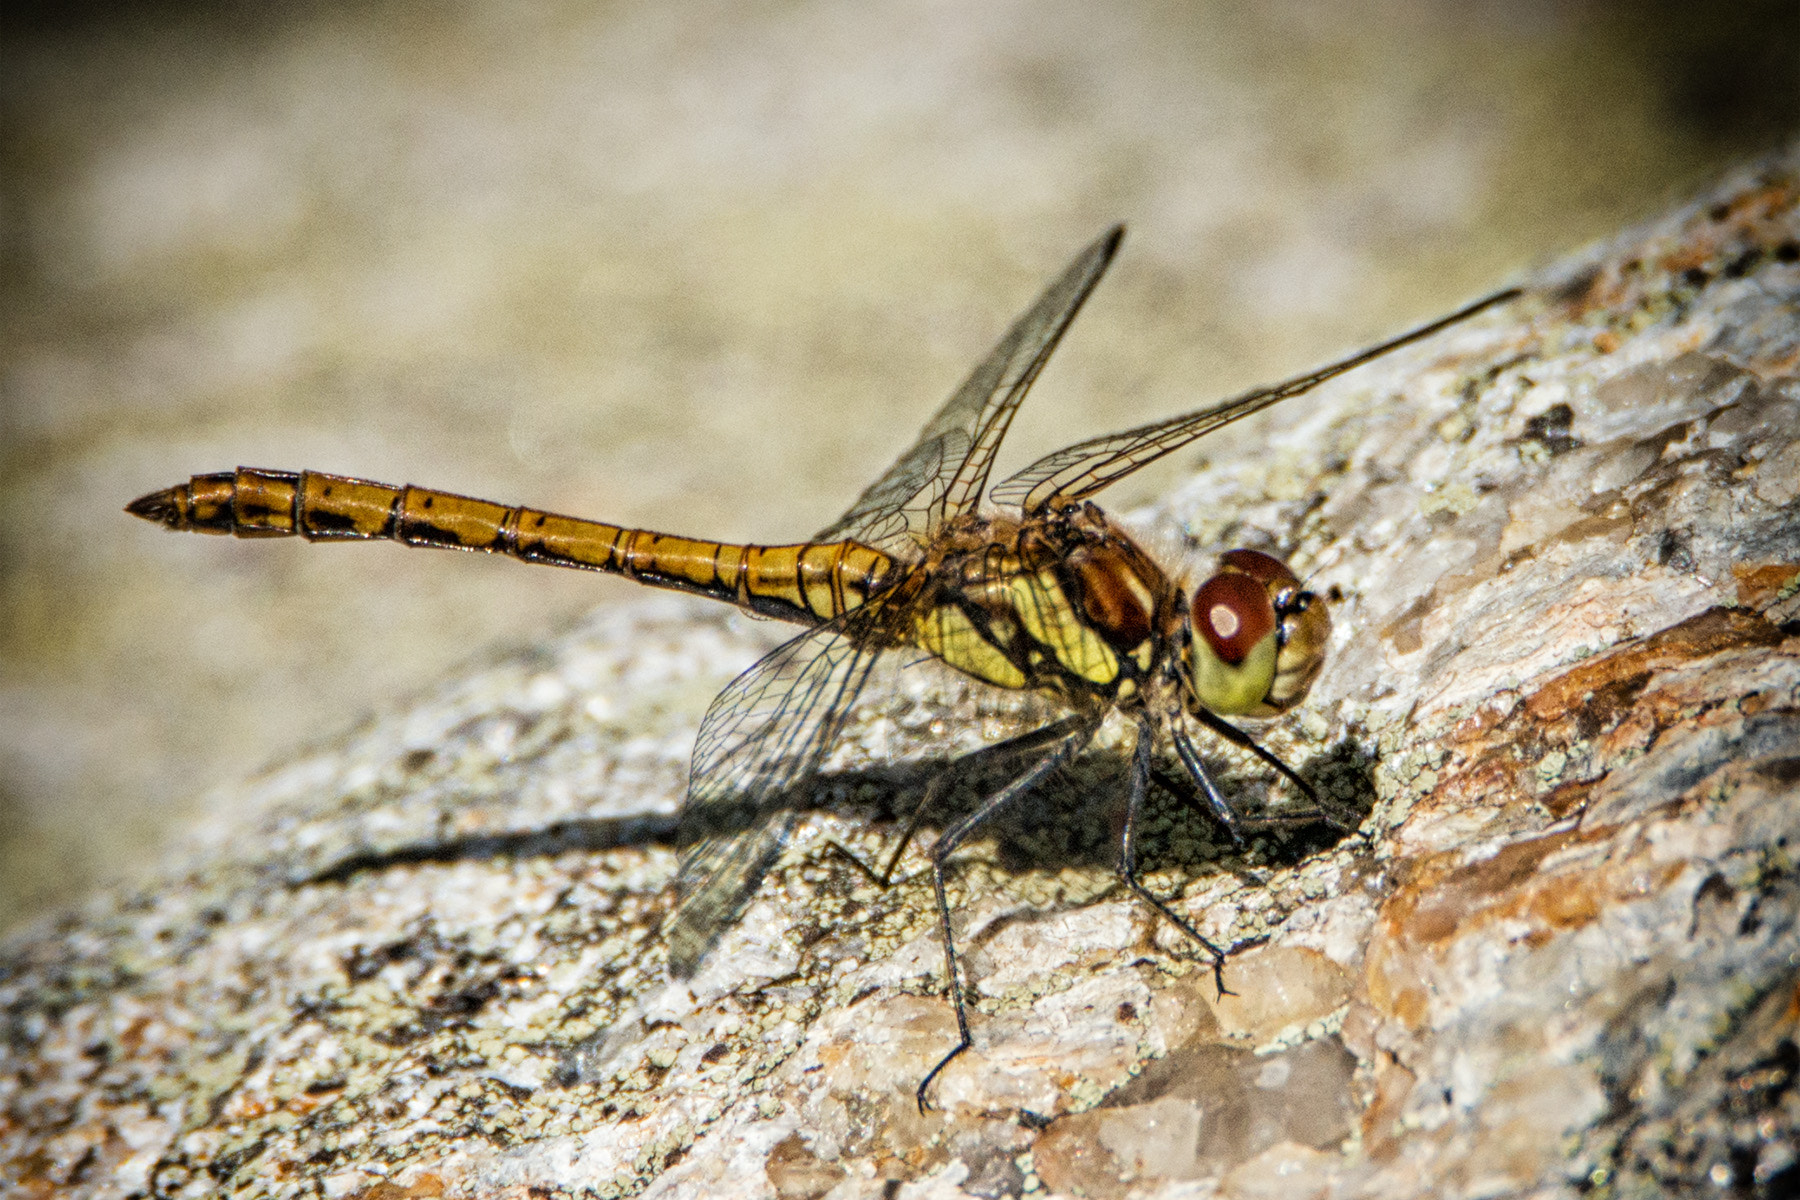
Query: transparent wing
column 764, row 737
column 1084, row 468
column 946, row 470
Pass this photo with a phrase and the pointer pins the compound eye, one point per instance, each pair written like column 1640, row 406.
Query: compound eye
column 1266, row 569
column 1305, row 628
column 1232, row 613
column 1232, row 653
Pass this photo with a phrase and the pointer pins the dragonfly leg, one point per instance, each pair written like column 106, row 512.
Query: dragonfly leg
column 1140, row 783
column 1238, row 737
column 1073, row 733
column 945, row 779
column 972, row 763
column 1181, row 786
column 1215, row 803
column 933, row 790
column 936, row 788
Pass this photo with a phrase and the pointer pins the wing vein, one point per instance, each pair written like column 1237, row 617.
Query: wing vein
column 1083, row 469
column 946, row 469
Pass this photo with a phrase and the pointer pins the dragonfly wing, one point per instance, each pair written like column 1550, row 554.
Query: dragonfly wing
column 763, row 738
column 1081, row 470
column 903, row 499
column 946, row 469
column 1084, row 468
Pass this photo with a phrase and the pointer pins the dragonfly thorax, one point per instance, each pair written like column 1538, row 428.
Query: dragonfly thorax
column 1063, row 601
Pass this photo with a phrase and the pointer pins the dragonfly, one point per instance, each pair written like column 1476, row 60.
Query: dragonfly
column 1027, row 585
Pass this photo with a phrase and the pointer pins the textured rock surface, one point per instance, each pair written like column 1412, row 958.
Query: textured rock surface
column 581, row 255
column 1558, row 957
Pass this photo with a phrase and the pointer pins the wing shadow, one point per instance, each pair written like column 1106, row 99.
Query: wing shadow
column 1073, row 821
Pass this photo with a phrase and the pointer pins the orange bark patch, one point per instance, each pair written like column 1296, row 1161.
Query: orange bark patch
column 796, row 1173
column 1487, row 776
column 1440, row 910
column 1393, row 1084
column 1441, row 903
column 1596, row 713
column 427, row 1187
column 1409, row 1006
column 1568, row 797
column 1757, row 204
column 1688, row 257
column 1698, row 637
column 1757, row 586
column 1564, row 907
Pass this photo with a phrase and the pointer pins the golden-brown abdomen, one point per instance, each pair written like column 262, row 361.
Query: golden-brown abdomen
column 808, row 582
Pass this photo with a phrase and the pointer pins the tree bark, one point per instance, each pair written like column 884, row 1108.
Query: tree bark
column 1555, row 958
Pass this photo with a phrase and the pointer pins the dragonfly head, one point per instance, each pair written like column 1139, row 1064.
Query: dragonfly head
column 1258, row 637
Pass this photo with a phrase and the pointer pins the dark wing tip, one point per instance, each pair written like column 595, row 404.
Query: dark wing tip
column 1107, row 244
column 1486, row 302
column 163, row 507
column 685, row 961
column 687, row 944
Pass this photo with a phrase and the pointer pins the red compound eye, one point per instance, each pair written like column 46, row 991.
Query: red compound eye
column 1233, row 613
column 1264, row 568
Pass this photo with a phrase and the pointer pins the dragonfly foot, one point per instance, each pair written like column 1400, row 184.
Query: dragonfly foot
column 1219, row 979
column 925, row 1104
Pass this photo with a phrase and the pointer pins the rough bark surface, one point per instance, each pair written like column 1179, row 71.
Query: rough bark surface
column 1557, row 957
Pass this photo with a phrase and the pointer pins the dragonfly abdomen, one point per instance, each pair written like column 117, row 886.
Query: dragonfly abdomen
column 808, row 581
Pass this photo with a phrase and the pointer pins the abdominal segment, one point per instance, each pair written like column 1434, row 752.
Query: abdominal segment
column 807, row 582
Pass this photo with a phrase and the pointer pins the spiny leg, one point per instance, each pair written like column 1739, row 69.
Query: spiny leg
column 1140, row 784
column 1078, row 730
column 1222, row 812
column 945, row 779
column 934, row 790
column 1181, row 786
column 1238, row 737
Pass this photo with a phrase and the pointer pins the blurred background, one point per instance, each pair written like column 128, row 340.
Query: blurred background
column 705, row 267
